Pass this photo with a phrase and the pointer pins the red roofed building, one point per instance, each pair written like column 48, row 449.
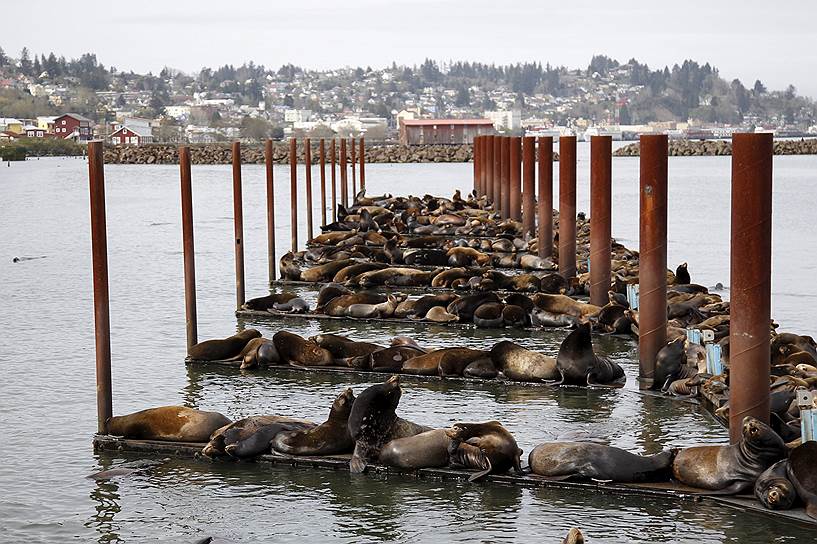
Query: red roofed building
column 74, row 126
column 443, row 131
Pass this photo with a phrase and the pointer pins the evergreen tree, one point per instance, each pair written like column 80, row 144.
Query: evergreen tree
column 25, row 62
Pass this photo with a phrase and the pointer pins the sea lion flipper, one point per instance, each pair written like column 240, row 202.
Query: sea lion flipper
column 356, row 464
column 517, row 463
column 732, row 489
column 811, row 510
column 483, row 473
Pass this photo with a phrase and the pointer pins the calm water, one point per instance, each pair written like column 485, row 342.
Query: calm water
column 48, row 393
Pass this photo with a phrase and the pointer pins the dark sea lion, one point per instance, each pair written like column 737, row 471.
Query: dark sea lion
column 682, row 274
column 523, row 301
column 464, row 307
column 425, row 303
column 258, row 442
column 487, row 447
column 773, row 488
column 295, row 305
column 389, row 359
column 619, row 299
column 428, row 364
column 330, row 291
column 609, row 314
column 175, row 423
column 295, row 349
column 455, row 360
column 514, row 316
column 373, row 422
column 424, row 450
column 520, row 364
column 332, row 238
column 447, row 277
column 329, row 438
column 590, row 461
column 354, row 270
column 489, row 315
column 397, row 276
column 224, row 348
column 264, row 303
column 802, row 472
column 669, row 362
column 249, row 436
column 481, row 368
column 730, row 469
column 579, row 365
column 426, row 257
column 289, row 270
column 258, row 352
column 343, row 348
column 467, row 256
column 326, row 272
column 337, row 306
column 574, row 536
column 784, row 344
column 553, row 284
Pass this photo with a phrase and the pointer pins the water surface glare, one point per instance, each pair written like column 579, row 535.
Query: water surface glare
column 47, row 364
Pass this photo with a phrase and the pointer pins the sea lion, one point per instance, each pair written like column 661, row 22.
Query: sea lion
column 773, row 488
column 481, row 368
column 175, row 423
column 250, row 436
column 489, row 315
column 258, row 352
column 524, row 365
column 553, row 283
column 382, row 310
column 669, row 363
column 464, row 307
column 730, row 469
column 223, row 348
column 514, row 316
column 467, row 256
column 265, row 303
column 534, row 262
column 424, row 450
column 354, row 270
column 373, row 422
column 487, row 447
column 332, row 238
column 523, row 301
column 328, row 292
column 295, row 349
column 437, row 314
column 344, row 348
column 289, row 270
column 802, row 473
column 425, row 257
column 329, row 438
column 337, row 306
column 563, row 304
column 542, row 318
column 397, row 276
column 326, row 272
column 579, row 365
column 427, row 302
column 389, row 359
column 784, row 344
column 447, row 277
column 590, row 461
column 455, row 360
column 428, row 364
column 574, row 536
column 682, row 274
column 295, row 305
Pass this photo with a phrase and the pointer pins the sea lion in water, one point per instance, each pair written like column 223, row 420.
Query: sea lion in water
column 487, row 447
column 773, row 488
column 373, row 422
column 424, row 450
column 175, row 423
column 802, row 472
column 329, row 438
column 730, row 469
column 250, row 436
column 579, row 365
column 587, row 460
column 524, row 365
column 294, row 349
column 222, row 348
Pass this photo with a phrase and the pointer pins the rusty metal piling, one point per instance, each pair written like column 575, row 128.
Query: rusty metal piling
column 601, row 183
column 268, row 166
column 750, row 300
column 545, row 197
column 322, row 160
column 308, row 167
column 354, row 169
column 238, row 223
column 344, row 187
column 497, row 168
column 515, row 190
column 528, row 189
column 334, row 159
column 293, row 192
column 362, row 164
column 567, row 206
column 191, row 321
column 505, row 186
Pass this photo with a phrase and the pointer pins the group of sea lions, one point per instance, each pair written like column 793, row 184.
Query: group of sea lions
column 575, row 364
column 368, row 428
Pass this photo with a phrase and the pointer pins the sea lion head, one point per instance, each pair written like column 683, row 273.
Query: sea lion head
column 463, row 431
column 760, row 438
column 342, row 405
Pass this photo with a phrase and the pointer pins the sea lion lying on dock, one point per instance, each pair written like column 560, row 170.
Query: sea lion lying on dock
column 329, row 438
column 250, row 436
column 173, row 423
column 590, row 461
column 296, row 350
column 487, row 447
column 223, row 348
column 579, row 365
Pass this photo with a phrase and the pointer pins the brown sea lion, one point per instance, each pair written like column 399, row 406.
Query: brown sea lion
column 328, row 292
column 524, row 365
column 397, row 276
column 579, row 365
column 295, row 349
column 424, row 450
column 289, row 270
column 514, row 316
column 446, row 277
column 467, row 256
column 481, row 368
column 563, row 304
column 487, row 447
column 455, row 360
column 425, row 303
column 250, row 436
column 428, row 364
column 329, row 438
column 175, row 423
column 258, row 352
column 534, row 262
column 326, row 272
column 802, row 472
column 352, row 271
column 391, row 359
column 590, row 461
column 773, row 488
column 489, row 315
column 343, row 348
column 223, row 348
column 437, row 314
column 265, row 303
column 331, row 238
column 337, row 306
column 382, row 310
column 734, row 468
column 574, row 536
column 464, row 307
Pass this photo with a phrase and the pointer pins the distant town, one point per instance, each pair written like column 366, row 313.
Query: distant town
column 45, row 96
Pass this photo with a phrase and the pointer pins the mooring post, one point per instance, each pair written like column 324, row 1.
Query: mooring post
column 362, row 165
column 652, row 266
column 333, row 159
column 481, row 177
column 102, row 310
column 238, row 221
column 308, row 165
column 601, row 186
column 475, row 161
column 191, row 320
column 293, row 192
column 505, row 186
column 344, row 186
column 567, row 206
column 751, row 268
column 497, row 201
column 545, row 233
column 515, row 193
column 354, row 169
column 322, row 160
column 268, row 164
column 489, row 167
column 528, row 189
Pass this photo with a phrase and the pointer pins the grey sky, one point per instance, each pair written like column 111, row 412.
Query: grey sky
column 749, row 39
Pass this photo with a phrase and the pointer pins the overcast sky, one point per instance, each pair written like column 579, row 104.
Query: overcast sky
column 749, row 39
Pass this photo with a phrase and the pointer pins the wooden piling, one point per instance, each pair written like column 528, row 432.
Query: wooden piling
column 333, row 159
column 191, row 321
column 528, row 188
column 362, row 165
column 567, row 206
column 268, row 166
column 601, row 184
column 308, row 166
column 344, row 186
column 545, row 203
column 238, row 222
column 322, row 159
column 102, row 310
column 515, row 192
column 293, row 192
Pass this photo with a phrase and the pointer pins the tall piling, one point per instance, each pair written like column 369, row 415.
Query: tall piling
column 475, row 163
column 102, row 310
column 191, row 321
column 750, row 273
column 308, row 167
column 489, row 167
column 601, row 186
column 269, row 162
column 322, row 160
column 497, row 200
column 354, row 169
column 344, row 187
column 293, row 192
column 515, row 192
column 238, row 223
column 652, row 268
column 528, row 188
column 334, row 159
column 567, row 206
column 362, row 164
column 505, row 186
column 545, row 203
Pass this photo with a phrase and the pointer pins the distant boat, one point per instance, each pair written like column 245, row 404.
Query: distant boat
column 602, row 131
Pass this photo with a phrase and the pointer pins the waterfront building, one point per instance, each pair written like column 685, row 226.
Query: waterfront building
column 443, row 131
column 74, row 126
